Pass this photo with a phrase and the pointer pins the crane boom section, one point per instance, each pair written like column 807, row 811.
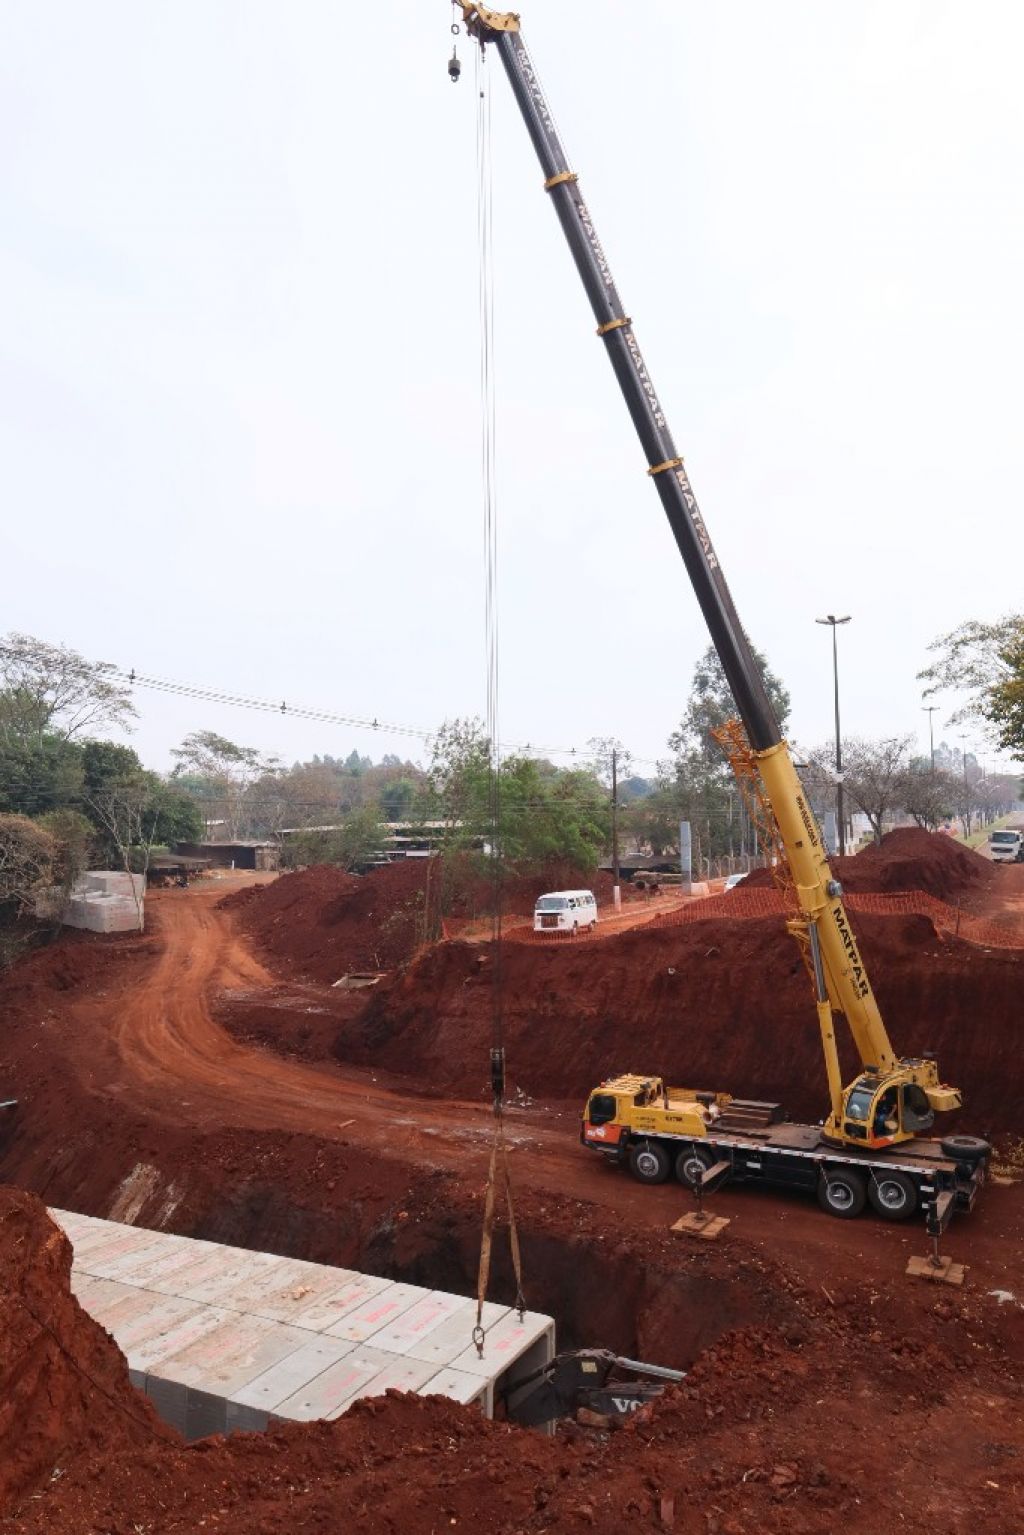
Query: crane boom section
column 846, row 976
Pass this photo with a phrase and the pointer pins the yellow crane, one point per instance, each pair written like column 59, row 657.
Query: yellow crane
column 872, row 1142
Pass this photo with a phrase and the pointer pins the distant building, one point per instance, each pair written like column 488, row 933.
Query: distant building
column 233, row 855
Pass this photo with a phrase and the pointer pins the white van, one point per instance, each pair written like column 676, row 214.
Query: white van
column 565, row 911
column 1006, row 846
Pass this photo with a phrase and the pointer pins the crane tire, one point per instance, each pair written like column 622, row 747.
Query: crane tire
column 892, row 1195
column 842, row 1192
column 687, row 1163
column 965, row 1148
column 648, row 1162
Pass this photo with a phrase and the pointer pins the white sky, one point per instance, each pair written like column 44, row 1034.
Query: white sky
column 238, row 370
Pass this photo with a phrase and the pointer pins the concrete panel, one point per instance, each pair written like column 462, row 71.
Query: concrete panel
column 353, row 1291
column 236, row 1273
column 169, row 1398
column 293, row 1373
column 105, row 1264
column 457, row 1385
column 399, row 1375
column 504, row 1343
column 244, row 1420
column 205, row 1414
column 330, row 1392
column 423, row 1319
column 377, row 1313
column 232, row 1354
column 180, row 1255
column 449, row 1340
column 194, row 1321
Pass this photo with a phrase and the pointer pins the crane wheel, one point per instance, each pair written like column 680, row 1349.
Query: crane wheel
column 965, row 1148
column 893, row 1196
column 842, row 1192
column 648, row 1162
column 691, row 1163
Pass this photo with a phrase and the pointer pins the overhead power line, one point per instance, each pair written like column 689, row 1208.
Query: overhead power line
column 283, row 708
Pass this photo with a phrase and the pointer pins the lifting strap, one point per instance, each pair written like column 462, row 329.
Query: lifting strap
column 499, row 1169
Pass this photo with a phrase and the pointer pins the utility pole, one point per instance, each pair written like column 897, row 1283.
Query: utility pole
column 840, row 812
column 616, row 893
column 930, row 709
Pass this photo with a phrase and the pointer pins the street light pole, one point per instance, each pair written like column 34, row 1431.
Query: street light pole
column 833, row 621
column 930, row 709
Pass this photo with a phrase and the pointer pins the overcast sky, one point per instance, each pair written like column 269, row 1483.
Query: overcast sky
column 239, row 437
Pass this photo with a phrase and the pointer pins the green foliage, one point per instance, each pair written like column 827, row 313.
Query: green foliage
column 397, row 799
column 105, row 763
column 50, row 689
column 985, row 663
column 360, row 835
column 711, row 704
column 39, row 773
column 76, row 843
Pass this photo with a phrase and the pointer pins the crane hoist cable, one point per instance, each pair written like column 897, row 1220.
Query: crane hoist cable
column 498, row 1170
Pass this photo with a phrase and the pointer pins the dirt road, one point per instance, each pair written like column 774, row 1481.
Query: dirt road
column 154, row 1043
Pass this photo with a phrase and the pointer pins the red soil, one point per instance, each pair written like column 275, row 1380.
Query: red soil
column 320, row 923
column 906, row 859
column 848, row 1395
column 64, row 1391
column 720, row 1004
column 742, row 1445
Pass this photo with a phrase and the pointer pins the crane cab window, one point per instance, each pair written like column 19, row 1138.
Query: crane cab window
column 858, row 1104
column 602, row 1108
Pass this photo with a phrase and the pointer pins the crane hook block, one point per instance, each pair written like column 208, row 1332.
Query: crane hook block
column 454, row 67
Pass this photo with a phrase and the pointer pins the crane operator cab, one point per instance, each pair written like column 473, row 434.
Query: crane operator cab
column 883, row 1110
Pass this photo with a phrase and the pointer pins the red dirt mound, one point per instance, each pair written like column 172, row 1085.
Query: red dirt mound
column 906, row 859
column 321, row 923
column 738, row 1447
column 64, row 1387
column 723, row 1003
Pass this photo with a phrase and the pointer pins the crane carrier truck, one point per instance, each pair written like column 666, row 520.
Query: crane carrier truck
column 873, row 1145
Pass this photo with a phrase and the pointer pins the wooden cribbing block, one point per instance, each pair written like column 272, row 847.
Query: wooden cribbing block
column 706, row 1226
column 944, row 1272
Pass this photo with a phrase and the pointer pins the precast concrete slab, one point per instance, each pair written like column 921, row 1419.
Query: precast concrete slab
column 223, row 1339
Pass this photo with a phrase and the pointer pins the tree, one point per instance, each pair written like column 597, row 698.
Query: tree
column 28, row 858
column 221, row 772
column 39, row 773
column 711, row 703
column 76, row 841
column 929, row 794
column 985, row 662
column 129, row 820
column 51, row 689
column 874, row 773
column 361, row 835
column 397, row 799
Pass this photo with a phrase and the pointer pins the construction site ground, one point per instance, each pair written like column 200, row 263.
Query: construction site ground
column 191, row 1080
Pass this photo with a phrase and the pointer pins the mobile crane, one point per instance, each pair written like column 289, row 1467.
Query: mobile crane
column 872, row 1144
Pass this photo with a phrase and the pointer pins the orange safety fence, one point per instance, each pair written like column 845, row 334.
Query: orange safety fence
column 948, row 919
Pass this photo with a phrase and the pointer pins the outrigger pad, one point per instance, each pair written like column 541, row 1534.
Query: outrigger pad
column 943, row 1272
column 704, row 1225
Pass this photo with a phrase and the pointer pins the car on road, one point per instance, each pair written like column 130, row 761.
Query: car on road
column 565, row 911
column 1006, row 845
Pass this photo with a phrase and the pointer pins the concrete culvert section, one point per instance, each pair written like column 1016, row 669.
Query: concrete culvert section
column 223, row 1339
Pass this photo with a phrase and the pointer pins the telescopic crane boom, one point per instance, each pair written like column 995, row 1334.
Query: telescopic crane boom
column 906, row 1090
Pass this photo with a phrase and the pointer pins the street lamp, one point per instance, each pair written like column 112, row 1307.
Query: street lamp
column 930, row 709
column 833, row 622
